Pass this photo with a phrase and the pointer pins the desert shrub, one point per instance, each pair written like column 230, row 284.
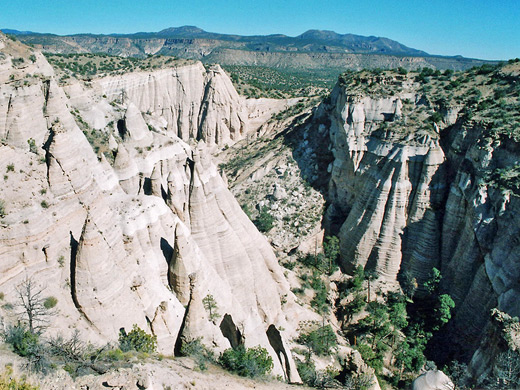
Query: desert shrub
column 137, row 340
column 326, row 378
column 113, row 355
column 317, row 378
column 459, row 374
column 309, row 260
column 505, row 373
column 78, row 357
column 436, row 117
column 289, row 265
column 50, row 302
column 32, row 146
column 358, row 381
column 307, row 371
column 2, row 208
column 7, row 382
column 264, row 221
column 251, row 362
column 448, row 73
column 27, row 344
column 198, row 351
column 17, row 61
column 23, row 341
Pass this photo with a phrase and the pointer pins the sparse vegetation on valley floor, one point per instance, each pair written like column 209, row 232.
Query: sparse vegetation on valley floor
column 87, row 66
column 261, row 81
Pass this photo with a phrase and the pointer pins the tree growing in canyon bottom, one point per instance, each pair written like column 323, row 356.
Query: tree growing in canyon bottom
column 506, row 371
column 433, row 309
column 428, row 313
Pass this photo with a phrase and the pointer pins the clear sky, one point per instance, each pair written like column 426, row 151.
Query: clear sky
column 473, row 28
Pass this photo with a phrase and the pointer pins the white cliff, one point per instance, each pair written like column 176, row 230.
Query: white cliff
column 145, row 240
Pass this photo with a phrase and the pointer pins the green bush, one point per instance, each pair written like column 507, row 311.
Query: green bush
column 251, row 362
column 324, row 262
column 371, row 356
column 245, row 209
column 50, row 302
column 443, row 310
column 356, row 283
column 307, row 371
column 27, row 344
column 356, row 305
column 137, row 340
column 264, row 222
column 32, row 145
column 23, row 341
column 320, row 379
column 436, row 117
column 114, row 355
column 198, row 351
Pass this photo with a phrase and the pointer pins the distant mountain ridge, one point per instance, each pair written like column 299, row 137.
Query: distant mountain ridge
column 313, row 49
column 308, row 41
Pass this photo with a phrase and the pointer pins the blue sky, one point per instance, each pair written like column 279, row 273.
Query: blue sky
column 472, row 28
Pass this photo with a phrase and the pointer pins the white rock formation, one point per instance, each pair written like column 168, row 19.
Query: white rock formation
column 406, row 204
column 433, row 380
column 134, row 243
column 382, row 187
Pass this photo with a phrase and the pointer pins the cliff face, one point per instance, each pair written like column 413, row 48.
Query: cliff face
column 143, row 239
column 381, row 186
column 188, row 102
column 407, row 196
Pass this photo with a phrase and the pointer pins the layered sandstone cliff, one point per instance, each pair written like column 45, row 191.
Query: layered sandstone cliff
column 144, row 238
column 189, row 102
column 381, row 185
column 408, row 195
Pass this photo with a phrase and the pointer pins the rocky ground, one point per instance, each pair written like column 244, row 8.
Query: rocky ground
column 162, row 373
column 281, row 172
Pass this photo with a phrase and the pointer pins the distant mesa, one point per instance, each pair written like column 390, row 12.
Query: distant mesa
column 313, row 50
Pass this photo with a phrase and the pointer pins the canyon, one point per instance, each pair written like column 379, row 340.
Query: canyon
column 113, row 202
column 404, row 201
